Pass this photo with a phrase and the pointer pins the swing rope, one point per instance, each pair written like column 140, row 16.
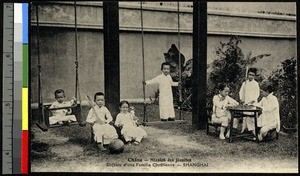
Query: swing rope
column 76, row 52
column 179, row 58
column 77, row 88
column 39, row 70
column 40, row 98
column 143, row 57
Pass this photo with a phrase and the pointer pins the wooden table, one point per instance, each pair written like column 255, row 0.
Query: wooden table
column 239, row 112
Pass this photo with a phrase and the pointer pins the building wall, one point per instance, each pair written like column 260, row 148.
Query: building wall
column 260, row 34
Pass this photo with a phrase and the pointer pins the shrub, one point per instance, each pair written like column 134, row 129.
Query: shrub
column 226, row 68
column 284, row 78
column 230, row 67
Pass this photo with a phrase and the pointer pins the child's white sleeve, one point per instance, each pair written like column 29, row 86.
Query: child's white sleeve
column 118, row 120
column 242, row 93
column 108, row 116
column 217, row 102
column 232, row 101
column 152, row 81
column 172, row 82
column 256, row 91
column 260, row 103
column 271, row 105
column 91, row 117
column 53, row 105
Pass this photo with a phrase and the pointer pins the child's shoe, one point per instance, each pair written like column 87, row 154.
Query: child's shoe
column 100, row 146
column 221, row 136
column 136, row 143
column 260, row 138
column 82, row 124
column 65, row 123
column 227, row 134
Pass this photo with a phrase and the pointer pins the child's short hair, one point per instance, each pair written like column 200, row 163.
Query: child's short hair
column 221, row 86
column 98, row 94
column 253, row 70
column 124, row 102
column 165, row 63
column 58, row 91
column 268, row 88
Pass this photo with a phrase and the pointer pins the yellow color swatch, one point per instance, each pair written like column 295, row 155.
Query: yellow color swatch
column 24, row 108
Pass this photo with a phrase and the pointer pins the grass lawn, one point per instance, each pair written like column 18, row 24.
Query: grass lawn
column 69, row 149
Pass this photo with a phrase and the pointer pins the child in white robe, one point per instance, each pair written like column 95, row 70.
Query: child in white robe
column 130, row 130
column 165, row 83
column 100, row 117
column 61, row 116
column 221, row 114
column 249, row 94
column 270, row 117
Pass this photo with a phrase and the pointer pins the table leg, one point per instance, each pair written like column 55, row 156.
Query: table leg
column 230, row 128
column 255, row 123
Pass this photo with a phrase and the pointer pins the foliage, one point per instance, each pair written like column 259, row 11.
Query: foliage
column 228, row 68
column 284, row 78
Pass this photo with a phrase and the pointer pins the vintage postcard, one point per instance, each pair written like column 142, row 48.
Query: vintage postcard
column 163, row 87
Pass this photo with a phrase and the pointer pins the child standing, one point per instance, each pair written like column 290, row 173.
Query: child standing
column 165, row 83
column 61, row 116
column 270, row 118
column 100, row 118
column 221, row 115
column 249, row 94
column 130, row 130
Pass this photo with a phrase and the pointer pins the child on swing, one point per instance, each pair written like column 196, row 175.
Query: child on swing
column 221, row 114
column 100, row 118
column 249, row 94
column 165, row 83
column 270, row 118
column 61, row 116
column 128, row 123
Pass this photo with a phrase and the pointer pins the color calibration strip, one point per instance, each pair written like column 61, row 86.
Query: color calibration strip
column 15, row 89
column 17, row 118
column 20, row 118
column 24, row 156
column 21, row 85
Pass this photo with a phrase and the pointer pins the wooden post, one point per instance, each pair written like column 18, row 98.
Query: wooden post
column 111, row 55
column 199, row 119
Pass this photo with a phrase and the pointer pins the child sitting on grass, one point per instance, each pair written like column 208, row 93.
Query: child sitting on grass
column 130, row 130
column 61, row 116
column 100, row 118
column 221, row 115
column 270, row 118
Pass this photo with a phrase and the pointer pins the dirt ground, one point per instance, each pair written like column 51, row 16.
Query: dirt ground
column 169, row 147
column 64, row 155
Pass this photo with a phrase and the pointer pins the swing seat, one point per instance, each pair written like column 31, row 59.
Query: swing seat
column 75, row 111
column 164, row 122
